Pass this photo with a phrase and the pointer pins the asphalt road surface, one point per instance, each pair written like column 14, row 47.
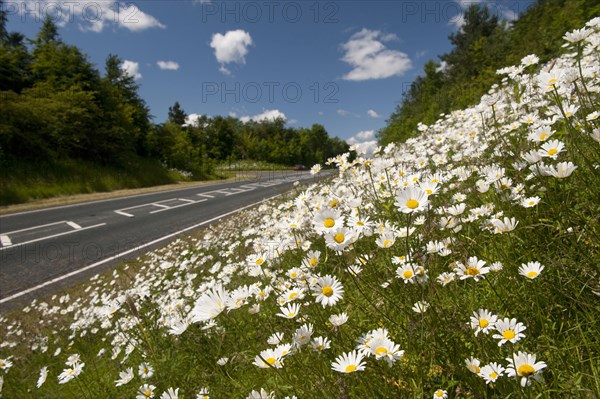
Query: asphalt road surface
column 46, row 250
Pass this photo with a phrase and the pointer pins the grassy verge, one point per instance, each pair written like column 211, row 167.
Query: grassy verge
column 248, row 166
column 23, row 182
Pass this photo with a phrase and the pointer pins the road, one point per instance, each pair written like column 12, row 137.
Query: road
column 45, row 250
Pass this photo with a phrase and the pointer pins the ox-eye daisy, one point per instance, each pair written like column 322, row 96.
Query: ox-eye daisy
column 349, row 362
column 531, row 270
column 524, row 365
column 411, row 200
column 509, row 331
column 328, row 291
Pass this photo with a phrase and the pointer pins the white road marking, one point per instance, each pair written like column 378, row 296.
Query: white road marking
column 224, row 191
column 5, row 240
column 160, row 205
column 129, row 215
column 93, row 265
column 36, row 227
column 178, row 206
column 52, row 236
column 206, row 195
column 74, row 225
column 187, row 200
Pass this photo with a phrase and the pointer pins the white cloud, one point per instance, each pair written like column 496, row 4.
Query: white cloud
column 92, row 16
column 193, row 119
column 170, row 65
column 362, row 141
column 343, row 112
column 370, row 58
column 231, row 47
column 365, row 134
column 443, row 67
column 495, row 8
column 134, row 19
column 373, row 114
column 268, row 115
column 132, row 69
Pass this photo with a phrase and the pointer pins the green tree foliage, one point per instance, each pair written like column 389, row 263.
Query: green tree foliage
column 483, row 45
column 176, row 114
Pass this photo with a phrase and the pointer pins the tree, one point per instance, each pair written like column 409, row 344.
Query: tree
column 3, row 21
column 48, row 32
column 176, row 114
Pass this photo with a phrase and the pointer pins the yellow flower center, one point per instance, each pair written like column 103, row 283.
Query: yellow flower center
column 293, row 295
column 472, row 271
column 474, row 369
column 259, row 261
column 329, row 223
column 313, row 262
column 428, row 191
column 412, row 203
column 381, row 351
column 350, row 368
column 439, row 394
column 532, row 274
column 291, row 314
column 333, row 203
column 483, row 323
column 543, row 136
column 525, row 370
column 293, row 274
column 407, row 274
column 387, row 243
column 508, row 334
column 339, row 238
column 271, row 360
column 327, row 291
column 147, row 393
column 552, row 151
column 493, row 375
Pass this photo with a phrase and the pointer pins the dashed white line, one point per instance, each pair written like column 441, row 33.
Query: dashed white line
column 178, row 206
column 160, row 205
column 74, row 225
column 129, row 215
column 5, row 240
column 52, row 236
column 206, row 195
column 187, row 200
column 93, row 265
column 37, row 227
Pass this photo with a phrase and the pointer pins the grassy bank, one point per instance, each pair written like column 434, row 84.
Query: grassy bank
column 22, row 182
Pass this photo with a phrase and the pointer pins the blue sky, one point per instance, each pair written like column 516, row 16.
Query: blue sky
column 344, row 64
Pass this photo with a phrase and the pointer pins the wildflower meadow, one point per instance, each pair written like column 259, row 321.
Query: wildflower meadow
column 463, row 263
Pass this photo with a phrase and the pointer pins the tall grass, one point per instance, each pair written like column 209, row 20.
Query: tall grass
column 463, row 264
column 23, row 181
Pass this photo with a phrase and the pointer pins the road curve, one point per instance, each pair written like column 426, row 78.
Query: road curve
column 45, row 250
